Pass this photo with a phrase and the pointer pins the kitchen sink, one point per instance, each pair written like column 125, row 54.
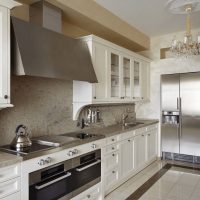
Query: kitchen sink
column 132, row 124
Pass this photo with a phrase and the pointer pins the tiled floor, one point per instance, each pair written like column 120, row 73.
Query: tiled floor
column 176, row 184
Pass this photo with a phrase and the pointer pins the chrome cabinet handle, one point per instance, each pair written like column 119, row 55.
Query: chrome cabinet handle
column 39, row 187
column 88, row 166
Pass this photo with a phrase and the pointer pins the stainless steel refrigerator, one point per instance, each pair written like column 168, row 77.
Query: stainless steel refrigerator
column 180, row 103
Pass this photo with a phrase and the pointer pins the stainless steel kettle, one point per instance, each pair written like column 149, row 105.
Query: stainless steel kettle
column 22, row 139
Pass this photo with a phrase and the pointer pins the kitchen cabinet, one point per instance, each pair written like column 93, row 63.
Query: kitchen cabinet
column 5, row 7
column 123, row 76
column 151, row 144
column 127, row 157
column 140, row 150
column 93, row 193
column 10, row 182
column 136, row 149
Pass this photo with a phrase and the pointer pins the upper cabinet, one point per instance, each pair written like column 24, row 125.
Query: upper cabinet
column 5, row 7
column 123, row 76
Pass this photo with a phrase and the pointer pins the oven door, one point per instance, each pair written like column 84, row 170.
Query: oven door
column 86, row 175
column 53, row 188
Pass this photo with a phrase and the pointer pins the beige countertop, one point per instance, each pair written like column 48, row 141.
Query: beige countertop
column 7, row 159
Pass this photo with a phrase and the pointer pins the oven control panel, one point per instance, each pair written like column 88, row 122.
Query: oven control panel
column 45, row 161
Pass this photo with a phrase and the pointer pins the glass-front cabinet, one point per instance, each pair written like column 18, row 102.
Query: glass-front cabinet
column 128, row 77
column 115, row 76
column 126, row 88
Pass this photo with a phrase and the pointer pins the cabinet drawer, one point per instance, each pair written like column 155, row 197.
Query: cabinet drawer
column 111, row 160
column 10, row 172
column 127, row 135
column 112, row 140
column 15, row 196
column 9, row 187
column 91, row 194
column 111, row 148
column 111, row 178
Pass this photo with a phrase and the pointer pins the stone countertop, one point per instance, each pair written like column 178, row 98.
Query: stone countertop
column 118, row 128
column 7, row 159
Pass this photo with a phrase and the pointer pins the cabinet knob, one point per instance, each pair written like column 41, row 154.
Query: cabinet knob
column 113, row 148
column 142, row 98
column 113, row 140
column 95, row 97
column 113, row 172
column 5, row 96
column 133, row 97
column 41, row 162
column 70, row 153
column 113, row 155
column 142, row 135
column 149, row 134
column 94, row 146
column 129, row 140
column 88, row 196
column 48, row 160
column 75, row 151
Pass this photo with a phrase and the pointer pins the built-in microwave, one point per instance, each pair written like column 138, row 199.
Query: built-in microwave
column 66, row 179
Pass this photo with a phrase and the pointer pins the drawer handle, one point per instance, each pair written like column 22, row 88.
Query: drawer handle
column 149, row 134
column 129, row 140
column 142, row 135
column 38, row 187
column 113, row 148
column 113, row 155
column 88, row 196
column 113, row 139
column 113, row 172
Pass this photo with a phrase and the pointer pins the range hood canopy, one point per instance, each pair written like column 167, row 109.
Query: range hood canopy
column 37, row 51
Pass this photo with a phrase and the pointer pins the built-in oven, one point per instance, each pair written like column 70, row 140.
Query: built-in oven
column 67, row 179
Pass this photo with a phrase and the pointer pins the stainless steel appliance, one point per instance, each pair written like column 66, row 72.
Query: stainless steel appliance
column 66, row 179
column 180, row 102
column 22, row 140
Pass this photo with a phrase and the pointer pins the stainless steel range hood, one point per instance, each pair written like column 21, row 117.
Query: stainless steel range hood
column 37, row 51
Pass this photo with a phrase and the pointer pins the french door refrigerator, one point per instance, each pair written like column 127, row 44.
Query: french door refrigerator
column 180, row 103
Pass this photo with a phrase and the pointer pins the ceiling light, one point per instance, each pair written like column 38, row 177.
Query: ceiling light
column 187, row 46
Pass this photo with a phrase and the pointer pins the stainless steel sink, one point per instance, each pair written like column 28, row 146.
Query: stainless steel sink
column 132, row 124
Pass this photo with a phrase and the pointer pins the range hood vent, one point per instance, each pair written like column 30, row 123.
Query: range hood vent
column 37, row 51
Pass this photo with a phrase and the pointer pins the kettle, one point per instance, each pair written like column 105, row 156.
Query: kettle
column 21, row 140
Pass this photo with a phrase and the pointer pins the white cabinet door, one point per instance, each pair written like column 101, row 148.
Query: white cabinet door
column 15, row 196
column 151, row 144
column 115, row 75
column 140, row 151
column 127, row 157
column 99, row 58
column 4, row 55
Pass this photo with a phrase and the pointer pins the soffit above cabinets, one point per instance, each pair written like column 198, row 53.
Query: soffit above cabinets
column 97, row 20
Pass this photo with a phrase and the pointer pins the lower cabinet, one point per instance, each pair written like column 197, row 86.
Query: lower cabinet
column 94, row 193
column 151, row 144
column 127, row 156
column 140, row 150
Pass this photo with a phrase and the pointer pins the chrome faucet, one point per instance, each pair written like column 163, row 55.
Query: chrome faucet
column 124, row 117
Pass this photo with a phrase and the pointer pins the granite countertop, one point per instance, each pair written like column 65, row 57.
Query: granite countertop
column 7, row 159
column 119, row 129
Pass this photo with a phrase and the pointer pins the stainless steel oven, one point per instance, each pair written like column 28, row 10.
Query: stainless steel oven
column 67, row 179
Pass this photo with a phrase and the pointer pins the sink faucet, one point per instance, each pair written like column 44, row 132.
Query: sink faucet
column 124, row 117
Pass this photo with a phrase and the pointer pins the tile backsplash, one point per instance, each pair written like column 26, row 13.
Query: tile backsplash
column 45, row 107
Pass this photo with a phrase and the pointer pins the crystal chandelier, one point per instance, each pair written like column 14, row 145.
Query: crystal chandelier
column 187, row 46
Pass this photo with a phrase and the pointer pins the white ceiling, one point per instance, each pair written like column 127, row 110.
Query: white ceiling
column 149, row 16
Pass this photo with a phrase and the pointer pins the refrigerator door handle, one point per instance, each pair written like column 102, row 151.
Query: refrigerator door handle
column 180, row 117
column 177, row 103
